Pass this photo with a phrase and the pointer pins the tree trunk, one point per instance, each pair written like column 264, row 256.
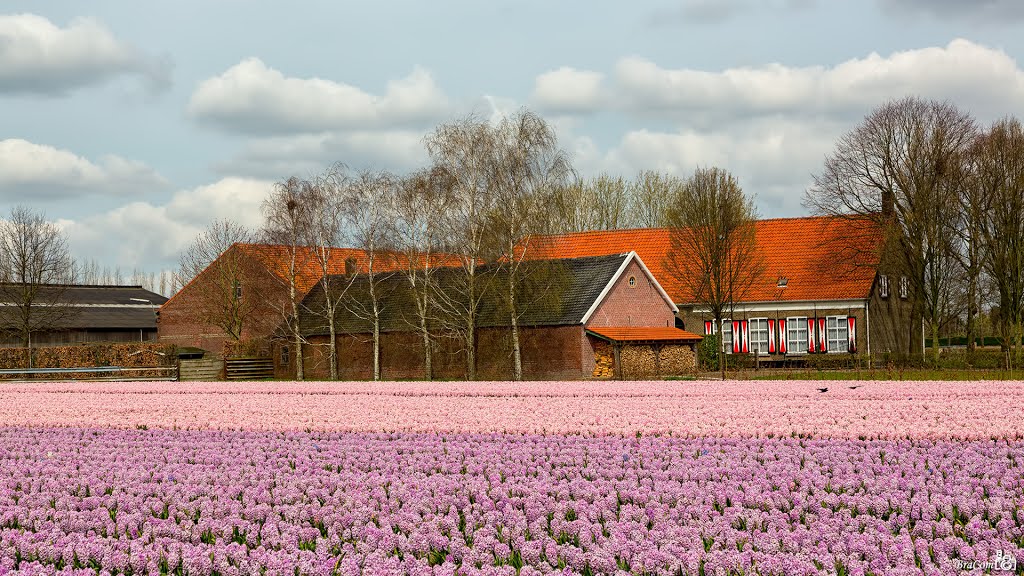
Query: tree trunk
column 297, row 335
column 935, row 343
column 428, row 364
column 721, row 346
column 972, row 288
column 376, row 346
column 333, row 354
column 517, row 357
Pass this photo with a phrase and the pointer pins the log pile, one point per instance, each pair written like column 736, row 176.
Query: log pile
column 638, row 362
column 604, row 361
column 677, row 360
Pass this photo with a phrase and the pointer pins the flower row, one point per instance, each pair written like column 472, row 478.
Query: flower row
column 205, row 502
column 975, row 410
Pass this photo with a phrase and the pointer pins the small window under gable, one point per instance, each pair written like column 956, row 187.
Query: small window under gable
column 904, row 287
column 238, row 289
column 883, row 286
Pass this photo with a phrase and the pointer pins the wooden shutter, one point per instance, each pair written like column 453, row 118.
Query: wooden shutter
column 746, row 337
column 708, row 327
column 736, row 335
column 851, row 325
column 822, row 337
column 810, row 334
column 771, row 336
column 782, row 335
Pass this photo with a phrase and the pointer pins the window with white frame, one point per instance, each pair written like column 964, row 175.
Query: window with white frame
column 796, row 335
column 758, row 329
column 838, row 332
column 883, row 286
column 727, row 335
column 904, row 287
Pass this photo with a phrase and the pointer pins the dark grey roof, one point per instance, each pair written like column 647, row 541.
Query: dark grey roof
column 553, row 293
column 111, row 318
column 96, row 307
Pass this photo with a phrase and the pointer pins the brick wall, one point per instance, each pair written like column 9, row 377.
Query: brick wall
column 549, row 353
column 189, row 317
column 637, row 305
column 695, row 322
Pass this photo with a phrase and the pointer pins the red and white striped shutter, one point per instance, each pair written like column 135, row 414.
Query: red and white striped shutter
column 782, row 336
column 810, row 334
column 707, row 327
column 736, row 336
column 851, row 324
column 746, row 338
column 822, row 340
column 771, row 336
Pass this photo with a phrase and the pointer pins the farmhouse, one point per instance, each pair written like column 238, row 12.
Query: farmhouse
column 72, row 314
column 590, row 316
column 243, row 295
column 821, row 292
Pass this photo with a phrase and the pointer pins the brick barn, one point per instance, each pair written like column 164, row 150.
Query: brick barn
column 822, row 290
column 609, row 317
column 250, row 283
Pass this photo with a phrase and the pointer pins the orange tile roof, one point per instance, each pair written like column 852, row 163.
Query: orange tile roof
column 812, row 253
column 277, row 258
column 643, row 334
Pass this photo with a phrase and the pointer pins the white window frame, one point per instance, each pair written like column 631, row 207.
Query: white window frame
column 883, row 286
column 904, row 287
column 797, row 324
column 763, row 330
column 727, row 329
column 841, row 328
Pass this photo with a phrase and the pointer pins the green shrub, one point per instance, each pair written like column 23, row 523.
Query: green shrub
column 707, row 352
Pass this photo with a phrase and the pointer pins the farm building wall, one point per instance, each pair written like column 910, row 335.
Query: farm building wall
column 188, row 318
column 638, row 305
column 548, row 353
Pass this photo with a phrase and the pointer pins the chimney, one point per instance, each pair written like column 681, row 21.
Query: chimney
column 350, row 266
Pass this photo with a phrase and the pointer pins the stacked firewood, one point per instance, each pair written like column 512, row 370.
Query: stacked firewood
column 604, row 361
column 638, row 362
column 676, row 361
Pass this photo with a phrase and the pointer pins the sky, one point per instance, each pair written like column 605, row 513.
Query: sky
column 134, row 124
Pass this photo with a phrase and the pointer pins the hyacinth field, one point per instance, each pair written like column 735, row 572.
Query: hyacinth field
column 730, row 478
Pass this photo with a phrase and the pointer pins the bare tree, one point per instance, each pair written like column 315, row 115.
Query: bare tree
column 35, row 267
column 420, row 204
column 714, row 253
column 327, row 207
column 526, row 164
column 650, row 196
column 997, row 167
column 898, row 169
column 219, row 299
column 600, row 203
column 463, row 149
column 287, row 215
column 366, row 206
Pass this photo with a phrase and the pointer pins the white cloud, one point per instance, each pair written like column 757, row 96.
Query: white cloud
column 150, row 236
column 44, row 172
column 568, row 90
column 848, row 89
column 37, row 57
column 253, row 98
column 306, row 154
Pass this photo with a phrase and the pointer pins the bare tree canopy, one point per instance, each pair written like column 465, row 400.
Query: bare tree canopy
column 220, row 300
column 526, row 166
column 288, row 214
column 463, row 149
column 33, row 254
column 996, row 177
column 900, row 168
column 714, row 254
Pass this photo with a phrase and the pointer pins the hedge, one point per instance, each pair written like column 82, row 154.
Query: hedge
column 131, row 354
